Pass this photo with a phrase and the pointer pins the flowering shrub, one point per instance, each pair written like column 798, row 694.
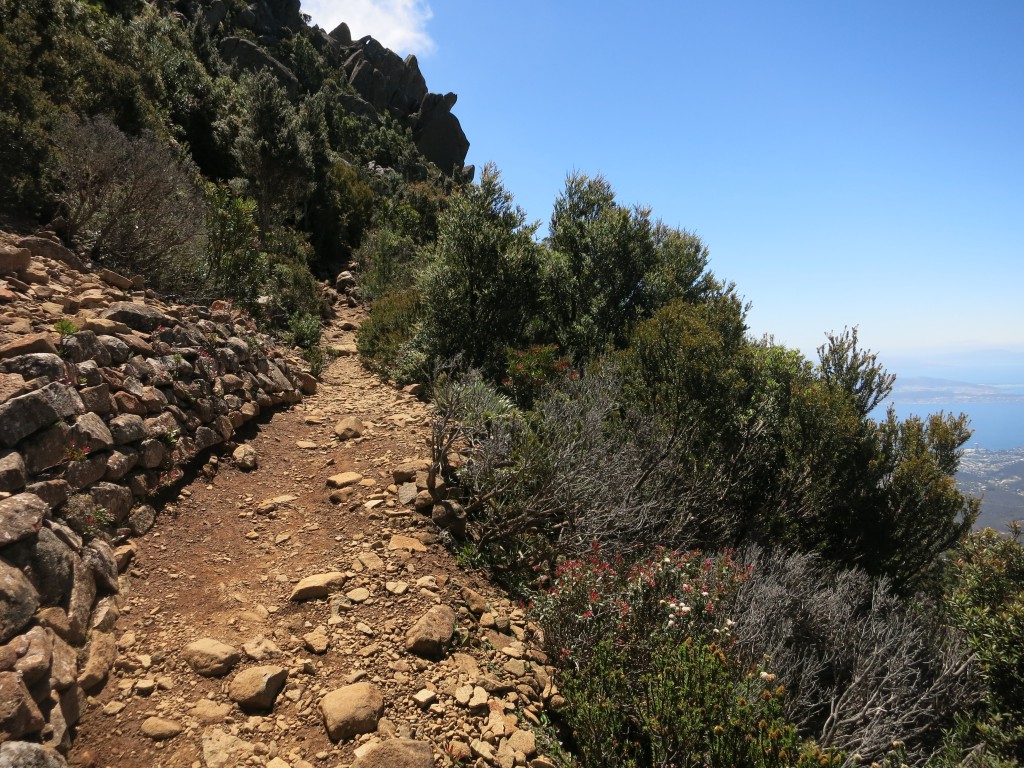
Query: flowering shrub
column 648, row 667
column 532, row 370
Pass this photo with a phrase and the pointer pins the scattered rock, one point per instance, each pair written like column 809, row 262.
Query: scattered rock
column 349, row 428
column 317, row 586
column 397, row 753
column 316, row 641
column 245, row 458
column 407, row 543
column 474, row 601
column 352, row 710
column 206, row 711
column 430, row 635
column 256, row 688
column 161, row 728
column 344, row 480
column 209, row 657
column 24, row 754
column 223, row 750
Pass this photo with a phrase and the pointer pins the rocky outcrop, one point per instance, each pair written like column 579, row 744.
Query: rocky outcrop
column 386, row 82
column 106, row 396
column 250, row 57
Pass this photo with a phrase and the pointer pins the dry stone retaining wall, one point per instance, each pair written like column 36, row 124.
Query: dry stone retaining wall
column 106, row 393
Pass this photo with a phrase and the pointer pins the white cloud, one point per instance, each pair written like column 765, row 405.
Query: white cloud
column 401, row 25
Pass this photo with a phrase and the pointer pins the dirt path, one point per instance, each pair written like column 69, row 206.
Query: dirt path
column 222, row 562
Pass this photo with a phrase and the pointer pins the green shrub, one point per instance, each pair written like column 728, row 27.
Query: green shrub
column 304, row 330
column 531, row 371
column 987, row 603
column 386, row 263
column 385, row 338
column 649, row 672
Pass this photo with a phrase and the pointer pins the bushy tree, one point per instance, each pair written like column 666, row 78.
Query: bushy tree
column 132, row 202
column 480, row 287
column 271, row 151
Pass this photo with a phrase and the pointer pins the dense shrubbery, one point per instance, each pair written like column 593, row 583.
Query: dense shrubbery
column 596, row 387
column 161, row 160
column 652, row 673
column 614, row 399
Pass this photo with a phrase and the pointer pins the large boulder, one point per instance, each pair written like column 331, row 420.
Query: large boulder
column 352, row 710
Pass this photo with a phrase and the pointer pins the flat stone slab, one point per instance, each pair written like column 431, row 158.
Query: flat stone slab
column 318, row 586
column 343, row 480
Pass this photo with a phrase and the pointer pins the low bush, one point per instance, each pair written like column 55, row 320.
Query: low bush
column 385, row 338
column 132, row 202
column 861, row 665
column 649, row 668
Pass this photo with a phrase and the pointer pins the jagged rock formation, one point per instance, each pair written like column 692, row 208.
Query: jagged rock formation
column 387, row 82
column 106, row 394
column 382, row 80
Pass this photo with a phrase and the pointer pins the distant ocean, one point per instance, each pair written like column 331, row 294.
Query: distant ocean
column 997, row 426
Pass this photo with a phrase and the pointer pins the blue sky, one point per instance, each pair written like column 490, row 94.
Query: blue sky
column 846, row 163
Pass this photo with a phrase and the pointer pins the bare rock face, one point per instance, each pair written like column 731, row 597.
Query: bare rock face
column 24, row 754
column 18, row 601
column 210, row 658
column 19, row 715
column 255, row 689
column 397, row 753
column 430, row 635
column 352, row 710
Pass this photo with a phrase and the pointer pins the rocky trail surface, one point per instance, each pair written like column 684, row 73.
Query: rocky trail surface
column 307, row 613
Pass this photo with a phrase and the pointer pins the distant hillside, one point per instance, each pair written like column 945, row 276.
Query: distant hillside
column 998, row 477
column 922, row 389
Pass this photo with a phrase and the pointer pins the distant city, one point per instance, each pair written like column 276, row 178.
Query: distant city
column 993, row 461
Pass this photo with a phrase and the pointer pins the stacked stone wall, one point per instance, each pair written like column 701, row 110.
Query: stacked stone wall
column 107, row 395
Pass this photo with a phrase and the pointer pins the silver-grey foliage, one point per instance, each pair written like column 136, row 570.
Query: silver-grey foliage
column 131, row 201
column 861, row 667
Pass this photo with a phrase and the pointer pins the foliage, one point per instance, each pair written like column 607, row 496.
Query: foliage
column 385, row 338
column 233, row 263
column 986, row 601
column 131, row 202
column 649, row 668
column 386, row 262
column 480, row 286
column 270, row 150
column 861, row 665
column 609, row 266
column 531, row 371
column 304, row 330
